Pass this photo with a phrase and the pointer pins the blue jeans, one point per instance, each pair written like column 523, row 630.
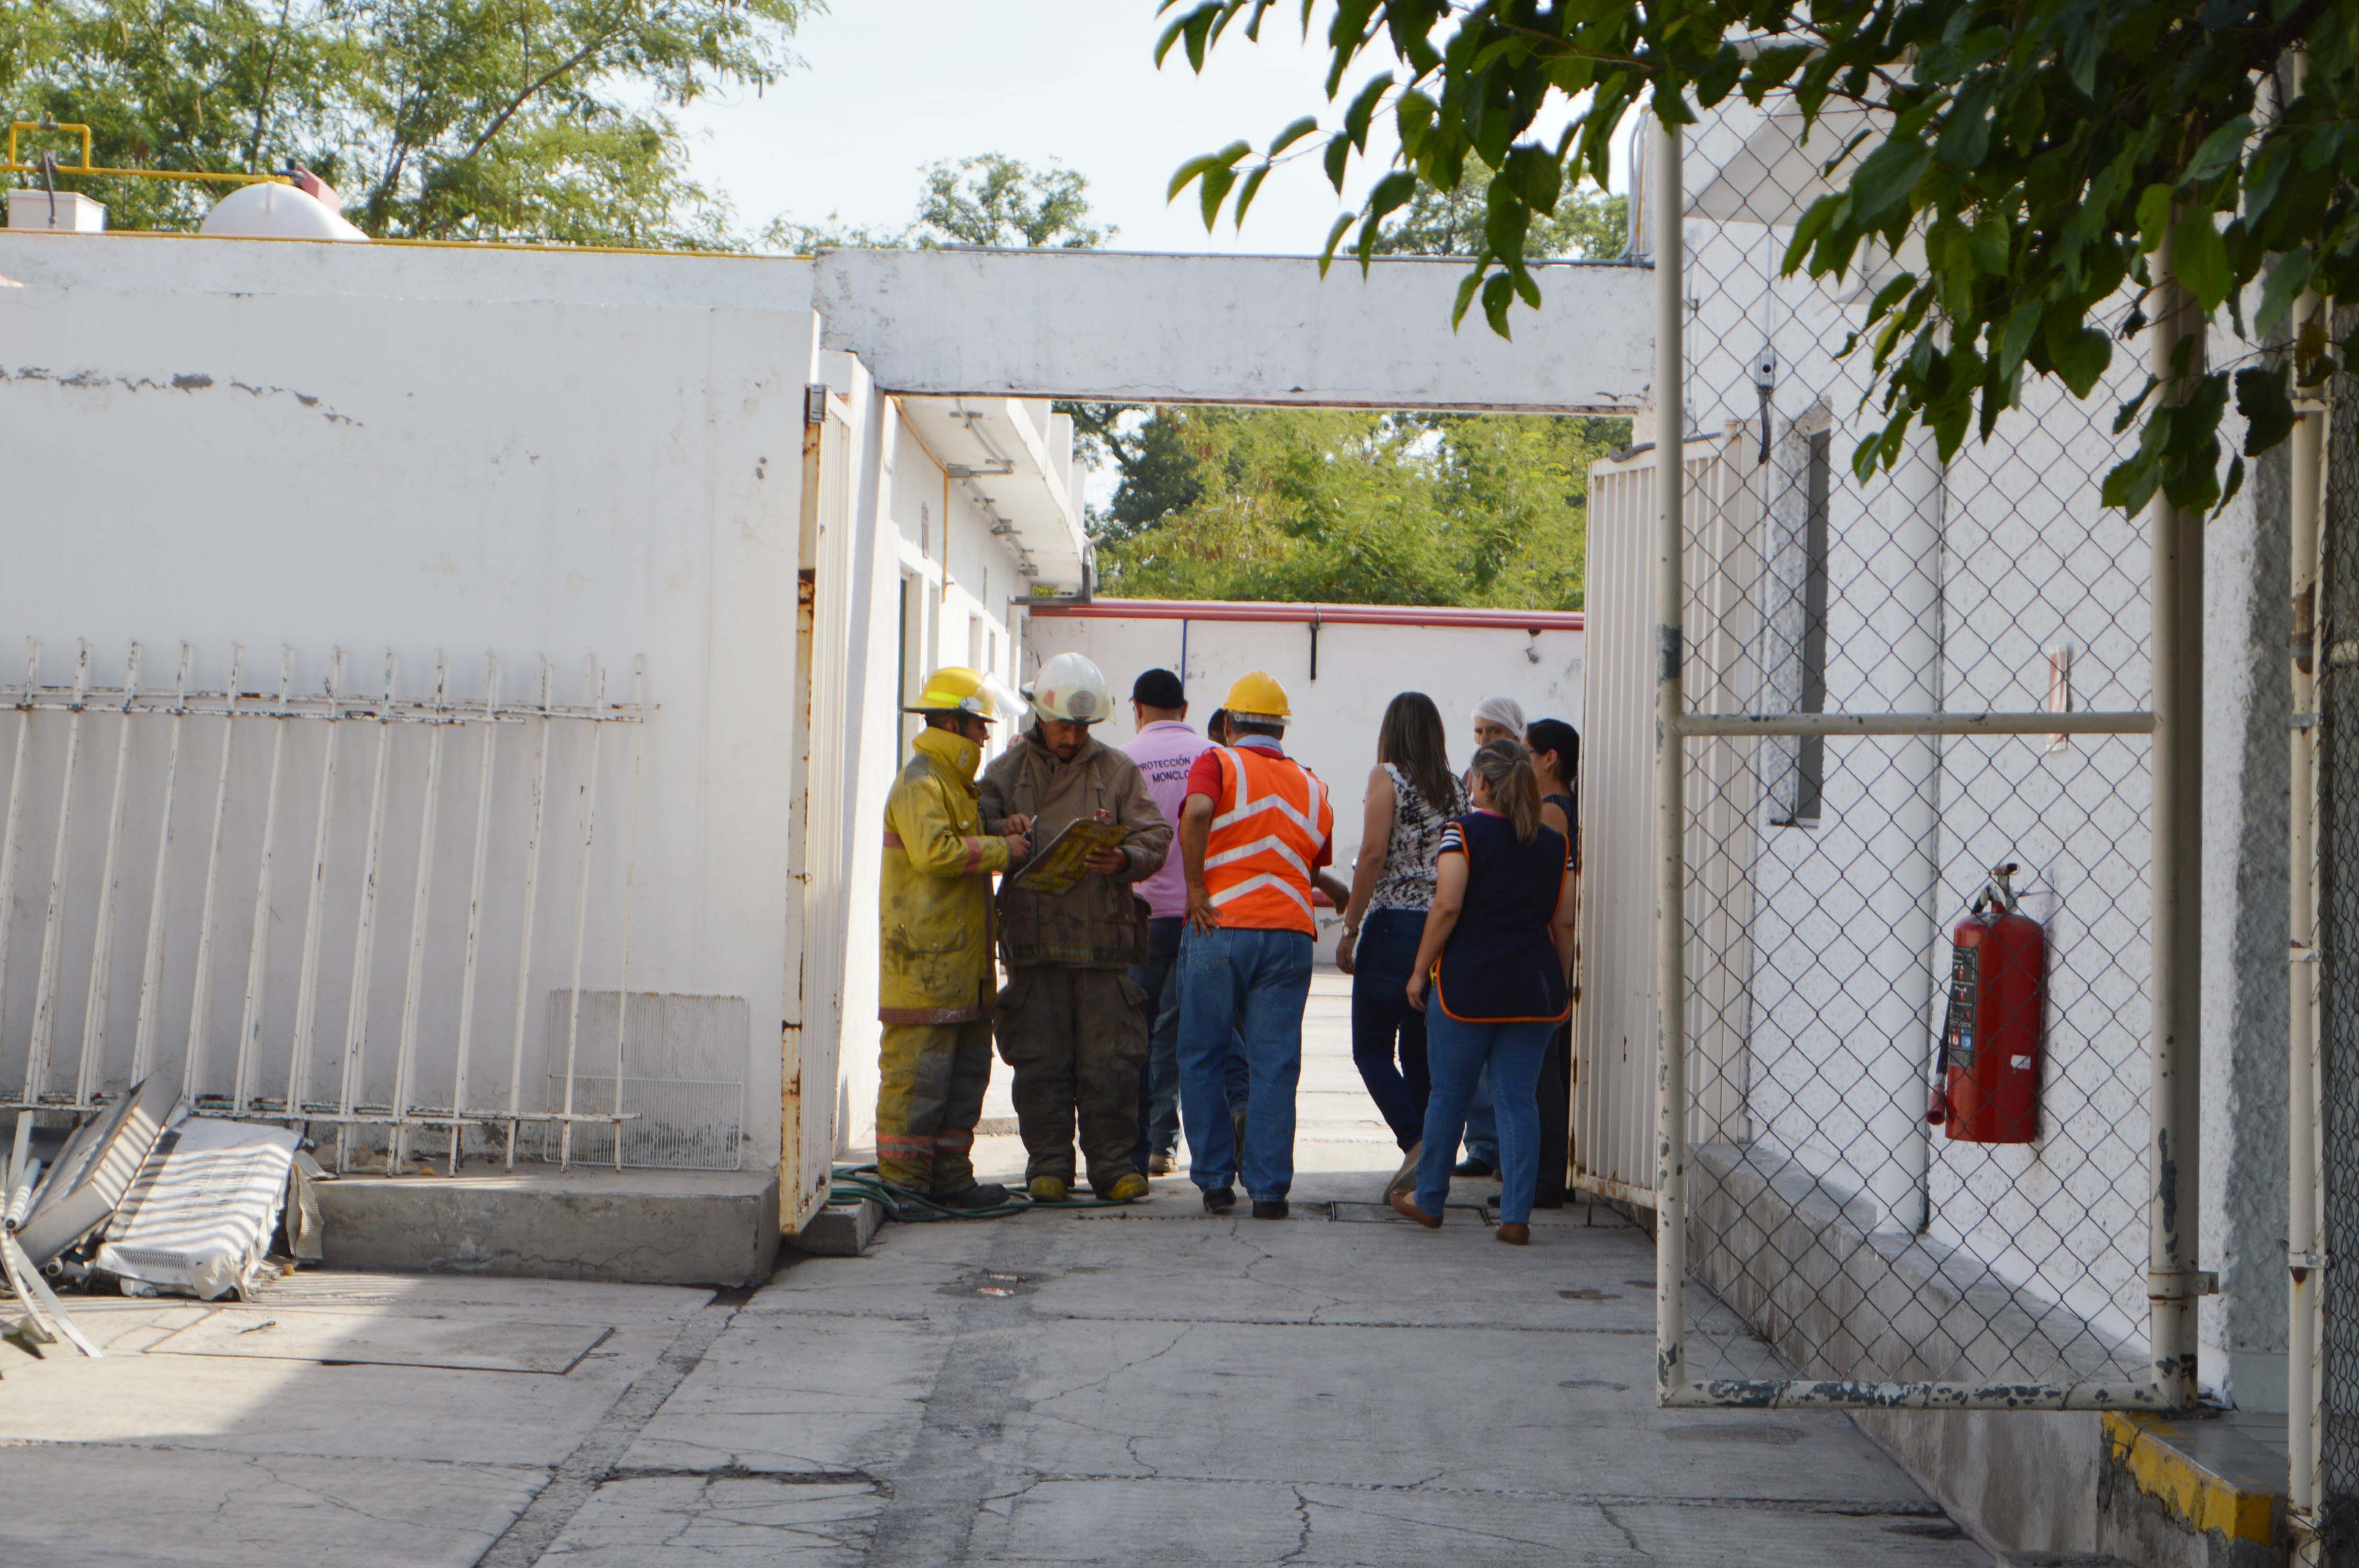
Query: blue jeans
column 1458, row 1052
column 1158, row 1080
column 1235, row 981
column 1482, row 1124
column 1380, row 1016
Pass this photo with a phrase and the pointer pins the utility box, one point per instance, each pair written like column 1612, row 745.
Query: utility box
column 73, row 212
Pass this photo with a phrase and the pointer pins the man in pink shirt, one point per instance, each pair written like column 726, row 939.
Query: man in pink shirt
column 1165, row 750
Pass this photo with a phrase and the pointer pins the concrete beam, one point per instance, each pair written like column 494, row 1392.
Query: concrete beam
column 1256, row 330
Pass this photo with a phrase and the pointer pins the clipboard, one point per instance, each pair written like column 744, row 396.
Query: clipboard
column 1058, row 867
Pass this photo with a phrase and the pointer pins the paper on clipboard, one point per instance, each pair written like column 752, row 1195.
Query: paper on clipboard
column 1056, row 868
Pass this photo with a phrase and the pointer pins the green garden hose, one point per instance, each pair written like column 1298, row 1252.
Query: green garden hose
column 860, row 1184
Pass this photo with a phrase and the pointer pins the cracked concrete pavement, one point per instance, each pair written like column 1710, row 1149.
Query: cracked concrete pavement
column 1158, row 1387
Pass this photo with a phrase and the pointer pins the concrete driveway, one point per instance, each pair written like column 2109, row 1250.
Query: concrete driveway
column 1142, row 1386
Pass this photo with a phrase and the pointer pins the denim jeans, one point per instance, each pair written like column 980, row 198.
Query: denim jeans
column 1381, row 1016
column 1482, row 1124
column 1158, row 1081
column 1235, row 981
column 1458, row 1052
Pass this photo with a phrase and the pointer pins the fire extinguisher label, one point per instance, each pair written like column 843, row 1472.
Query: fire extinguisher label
column 2020, row 1063
column 1958, row 1028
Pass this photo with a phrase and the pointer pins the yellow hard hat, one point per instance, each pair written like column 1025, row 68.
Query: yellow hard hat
column 1257, row 696
column 954, row 688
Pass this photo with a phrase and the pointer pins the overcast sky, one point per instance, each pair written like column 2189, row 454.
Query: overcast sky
column 889, row 87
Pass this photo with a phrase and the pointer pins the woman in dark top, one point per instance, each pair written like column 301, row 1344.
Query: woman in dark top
column 1555, row 762
column 1497, row 946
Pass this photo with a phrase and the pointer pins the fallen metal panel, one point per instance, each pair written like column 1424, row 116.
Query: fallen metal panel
column 468, row 1343
column 96, row 1170
column 200, row 1215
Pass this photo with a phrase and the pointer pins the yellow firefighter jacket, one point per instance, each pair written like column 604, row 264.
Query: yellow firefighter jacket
column 936, row 955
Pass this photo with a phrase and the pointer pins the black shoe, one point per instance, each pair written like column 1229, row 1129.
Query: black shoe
column 1470, row 1166
column 1218, row 1200
column 973, row 1195
column 1269, row 1208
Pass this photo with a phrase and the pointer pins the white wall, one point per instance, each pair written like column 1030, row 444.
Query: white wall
column 1151, row 329
column 1361, row 668
column 271, row 444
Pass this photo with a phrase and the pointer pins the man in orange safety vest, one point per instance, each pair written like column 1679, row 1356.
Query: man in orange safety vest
column 1255, row 833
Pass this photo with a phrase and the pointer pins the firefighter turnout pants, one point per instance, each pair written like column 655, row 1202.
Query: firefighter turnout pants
column 928, row 1101
column 1076, row 1039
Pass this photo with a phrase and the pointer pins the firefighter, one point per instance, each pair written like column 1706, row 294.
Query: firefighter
column 1072, row 1023
column 934, row 986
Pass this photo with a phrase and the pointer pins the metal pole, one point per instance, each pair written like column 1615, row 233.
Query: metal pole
column 421, row 898
column 597, row 679
column 102, row 953
column 257, row 955
column 475, row 903
column 2306, row 458
column 151, row 958
column 192, row 1066
column 534, row 813
column 2177, row 769
column 8, row 834
column 1670, row 792
column 630, row 881
column 353, row 1080
column 306, row 991
column 45, row 987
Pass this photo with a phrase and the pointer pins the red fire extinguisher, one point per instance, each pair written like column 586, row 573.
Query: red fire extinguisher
column 1986, row 1084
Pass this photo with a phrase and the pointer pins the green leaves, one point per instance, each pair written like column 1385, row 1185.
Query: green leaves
column 2048, row 158
column 532, row 120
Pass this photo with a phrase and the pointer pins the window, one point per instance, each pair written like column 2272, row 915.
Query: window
column 1799, row 782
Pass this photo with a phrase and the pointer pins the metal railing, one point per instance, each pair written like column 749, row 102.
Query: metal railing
column 350, row 792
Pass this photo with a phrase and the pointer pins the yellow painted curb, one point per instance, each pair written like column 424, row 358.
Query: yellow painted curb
column 2142, row 1446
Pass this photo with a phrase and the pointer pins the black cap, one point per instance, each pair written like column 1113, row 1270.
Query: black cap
column 1158, row 688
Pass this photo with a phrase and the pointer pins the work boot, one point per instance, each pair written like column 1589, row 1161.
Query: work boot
column 1515, row 1235
column 1470, row 1166
column 1047, row 1189
column 1220, row 1200
column 1160, row 1162
column 1127, row 1188
column 973, row 1195
column 1269, row 1208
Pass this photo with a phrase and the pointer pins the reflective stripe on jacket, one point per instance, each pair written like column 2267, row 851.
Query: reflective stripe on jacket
column 935, row 915
column 1268, row 827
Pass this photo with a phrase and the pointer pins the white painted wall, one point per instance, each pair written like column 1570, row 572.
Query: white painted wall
column 427, row 451
column 1361, row 668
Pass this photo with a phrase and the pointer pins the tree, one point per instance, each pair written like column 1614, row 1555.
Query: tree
column 446, row 119
column 1353, row 506
column 2045, row 154
column 1588, row 225
column 990, row 201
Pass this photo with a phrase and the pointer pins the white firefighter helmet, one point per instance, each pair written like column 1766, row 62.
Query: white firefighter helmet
column 1070, row 687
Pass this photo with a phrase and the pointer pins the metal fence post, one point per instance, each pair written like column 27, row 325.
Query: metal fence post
column 1670, row 793
column 2176, row 767
column 2302, row 1254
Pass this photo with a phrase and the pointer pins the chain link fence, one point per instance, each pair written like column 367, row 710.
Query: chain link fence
column 1996, row 1244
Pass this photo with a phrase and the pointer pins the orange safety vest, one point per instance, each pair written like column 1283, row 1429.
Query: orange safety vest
column 1271, row 821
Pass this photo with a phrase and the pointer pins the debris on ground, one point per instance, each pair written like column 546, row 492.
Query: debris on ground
column 149, row 1199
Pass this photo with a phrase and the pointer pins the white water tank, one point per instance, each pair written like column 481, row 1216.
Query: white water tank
column 273, row 212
